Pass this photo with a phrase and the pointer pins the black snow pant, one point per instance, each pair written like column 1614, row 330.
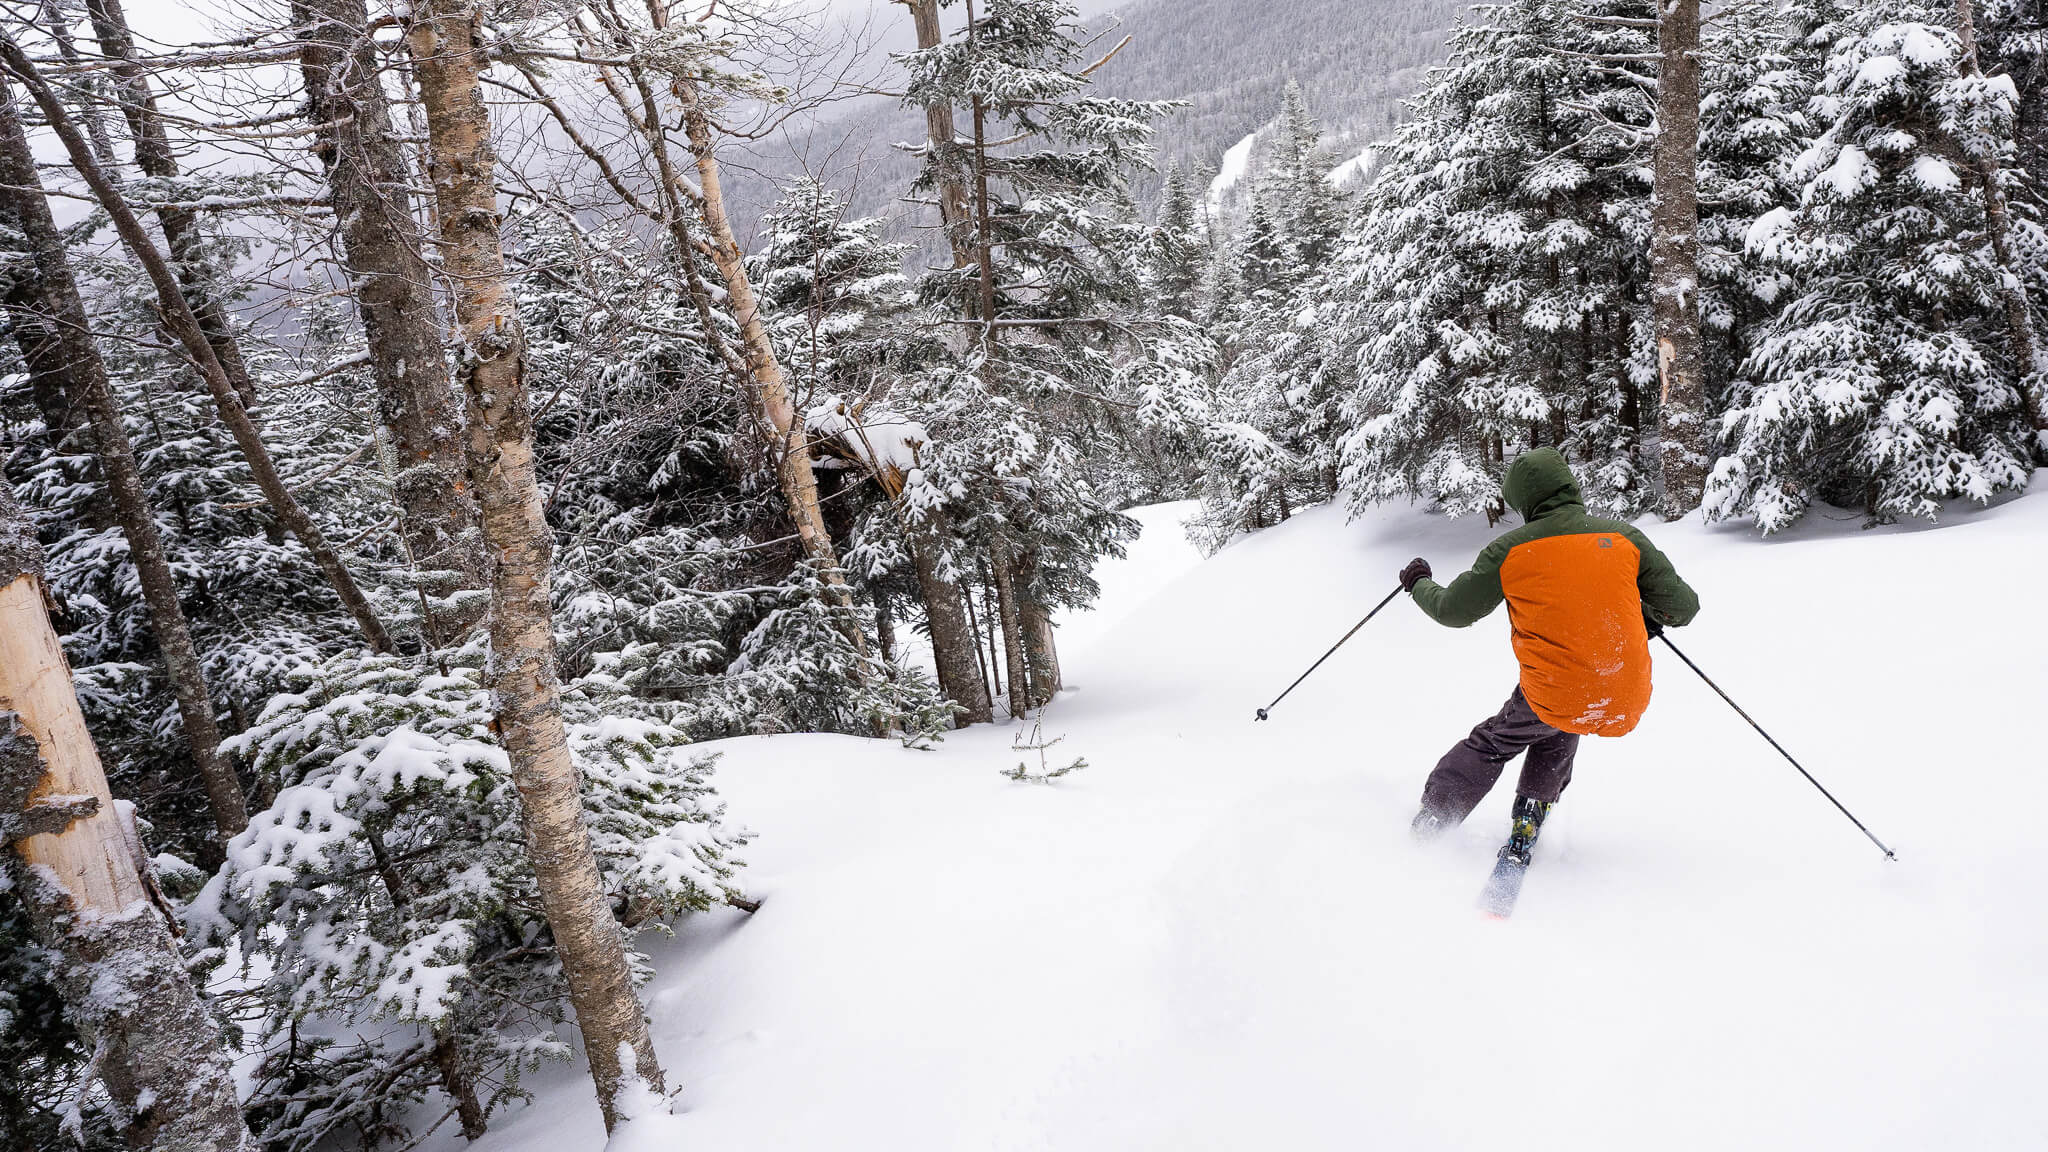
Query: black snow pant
column 1465, row 774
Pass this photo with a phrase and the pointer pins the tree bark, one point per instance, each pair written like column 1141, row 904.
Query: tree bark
column 2027, row 352
column 442, row 40
column 1686, row 444
column 123, row 981
column 955, row 650
column 367, row 178
column 953, row 641
column 55, row 303
column 185, row 326
column 981, row 665
column 154, row 156
column 43, row 356
column 940, row 138
column 1041, row 653
column 1003, row 565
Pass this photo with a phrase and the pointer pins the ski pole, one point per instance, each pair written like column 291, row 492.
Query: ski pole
column 1333, row 651
column 1888, row 854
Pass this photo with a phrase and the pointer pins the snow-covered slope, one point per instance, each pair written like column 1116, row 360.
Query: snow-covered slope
column 1219, row 936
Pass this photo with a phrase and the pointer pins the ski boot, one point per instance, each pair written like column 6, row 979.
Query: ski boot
column 1428, row 825
column 1528, row 821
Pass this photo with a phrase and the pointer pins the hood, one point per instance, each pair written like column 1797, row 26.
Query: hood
column 1539, row 482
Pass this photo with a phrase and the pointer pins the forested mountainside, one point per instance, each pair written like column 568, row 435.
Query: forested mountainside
column 1229, row 60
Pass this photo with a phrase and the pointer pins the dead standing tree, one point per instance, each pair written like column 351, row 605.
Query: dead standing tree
column 442, row 38
column 53, row 298
column 73, row 858
column 185, row 326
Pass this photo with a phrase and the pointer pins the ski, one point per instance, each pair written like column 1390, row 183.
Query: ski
column 1497, row 900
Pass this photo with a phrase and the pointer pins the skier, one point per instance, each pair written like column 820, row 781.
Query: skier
column 1584, row 596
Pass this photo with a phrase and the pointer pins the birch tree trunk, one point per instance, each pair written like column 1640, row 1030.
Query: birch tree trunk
column 1686, row 433
column 185, row 326
column 153, row 155
column 792, row 450
column 54, row 299
column 69, row 856
column 368, row 178
column 498, row 442
column 2027, row 352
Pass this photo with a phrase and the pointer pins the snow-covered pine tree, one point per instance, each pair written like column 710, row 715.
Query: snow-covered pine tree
column 1297, row 179
column 1053, row 329
column 1176, row 250
column 1494, row 293
column 1758, row 78
column 1884, row 382
column 385, row 909
column 1279, row 398
column 841, row 317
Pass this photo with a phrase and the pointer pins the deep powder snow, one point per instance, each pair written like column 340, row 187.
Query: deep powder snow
column 1219, row 936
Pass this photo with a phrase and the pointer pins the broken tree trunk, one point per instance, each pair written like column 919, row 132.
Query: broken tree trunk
column 441, row 37
column 1686, row 445
column 368, row 181
column 69, row 857
column 54, row 298
column 185, row 326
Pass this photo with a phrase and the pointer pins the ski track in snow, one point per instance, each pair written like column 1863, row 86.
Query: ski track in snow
column 1219, row 936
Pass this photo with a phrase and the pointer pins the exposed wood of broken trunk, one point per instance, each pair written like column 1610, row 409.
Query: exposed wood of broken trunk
column 368, row 179
column 69, row 855
column 498, row 442
column 1674, row 260
column 54, row 302
column 184, row 325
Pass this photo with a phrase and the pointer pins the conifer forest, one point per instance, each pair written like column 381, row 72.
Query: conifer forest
column 443, row 442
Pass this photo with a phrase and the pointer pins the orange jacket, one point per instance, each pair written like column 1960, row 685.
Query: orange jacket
column 1577, row 587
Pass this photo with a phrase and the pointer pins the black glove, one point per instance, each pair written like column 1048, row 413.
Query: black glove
column 1417, row 569
column 1652, row 626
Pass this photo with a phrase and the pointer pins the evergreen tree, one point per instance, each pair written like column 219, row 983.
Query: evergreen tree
column 1885, row 380
column 1493, row 292
column 1053, row 329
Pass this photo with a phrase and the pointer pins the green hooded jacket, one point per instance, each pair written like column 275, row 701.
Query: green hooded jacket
column 1579, row 590
column 1541, row 487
